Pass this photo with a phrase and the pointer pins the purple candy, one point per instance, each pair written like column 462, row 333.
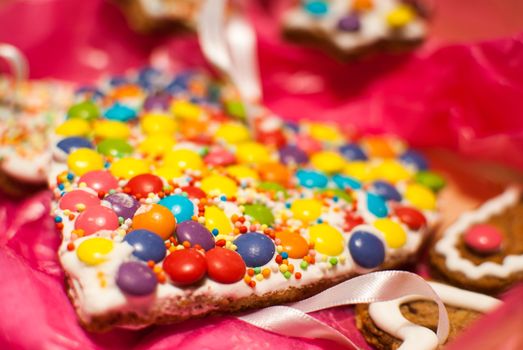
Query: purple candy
column 292, row 154
column 157, row 102
column 350, row 23
column 135, row 278
column 123, row 205
column 195, row 233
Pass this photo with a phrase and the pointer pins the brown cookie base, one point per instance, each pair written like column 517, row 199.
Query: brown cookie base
column 423, row 313
column 16, row 188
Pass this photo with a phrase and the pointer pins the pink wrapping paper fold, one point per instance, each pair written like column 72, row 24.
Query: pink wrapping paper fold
column 466, row 97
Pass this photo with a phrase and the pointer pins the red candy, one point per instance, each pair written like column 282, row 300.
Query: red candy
column 194, row 192
column 99, row 180
column 484, row 238
column 185, row 266
column 72, row 200
column 272, row 138
column 96, row 218
column 410, row 217
column 219, row 156
column 225, row 265
column 141, row 185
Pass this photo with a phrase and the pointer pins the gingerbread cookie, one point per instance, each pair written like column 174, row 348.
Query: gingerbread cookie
column 483, row 249
column 410, row 323
column 356, row 27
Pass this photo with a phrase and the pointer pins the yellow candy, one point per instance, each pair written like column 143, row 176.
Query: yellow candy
column 73, row 127
column 359, row 170
column 394, row 234
column 185, row 110
column 215, row 218
column 252, row 153
column 168, row 172
column 184, row 159
column 93, row 251
column 157, row 145
column 156, row 123
column 420, row 197
column 242, row 172
column 327, row 240
column 328, row 161
column 324, row 133
column 219, row 184
column 392, row 171
column 306, row 209
column 400, row 16
column 126, row 168
column 84, row 160
column 111, row 129
column 232, row 133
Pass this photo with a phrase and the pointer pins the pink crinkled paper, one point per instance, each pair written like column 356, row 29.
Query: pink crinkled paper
column 466, row 97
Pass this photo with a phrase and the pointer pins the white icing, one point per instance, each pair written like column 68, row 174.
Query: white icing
column 387, row 315
column 446, row 246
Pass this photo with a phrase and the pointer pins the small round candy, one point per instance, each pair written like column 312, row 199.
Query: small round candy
column 93, row 251
column 184, row 159
column 308, row 144
column 350, row 23
column 324, row 132
column 361, row 171
column 327, row 239
column 420, row 197
column 141, row 185
column 215, row 218
column 134, row 278
column 155, row 218
column 73, row 127
column 410, row 217
column 380, row 147
column 415, row 159
column 185, row 110
column 353, row 152
column 99, row 180
column 256, row 249
column 327, row 161
column 395, row 235
column 84, row 160
column 483, row 238
column 157, row 145
column 181, row 207
column 194, row 192
column 219, row 156
column 232, row 133
column 124, row 206
column 377, row 205
column 306, row 209
column 157, row 102
column 293, row 244
column 430, row 180
column 86, row 110
column 252, row 153
column 274, row 138
column 366, row 249
column 195, row 233
column 311, row 179
column 156, row 123
column 241, row 172
column 126, row 90
column 111, row 129
column 168, row 172
column 72, row 200
column 391, row 171
column 345, row 182
column 117, row 148
column 219, row 184
column 275, row 172
column 185, row 266
column 400, row 16
column 317, row 8
column 260, row 213
column 272, row 187
column 147, row 245
column 386, row 190
column 71, row 144
column 126, row 168
column 96, row 218
column 293, row 155
column 224, row 265
column 120, row 113
column 338, row 193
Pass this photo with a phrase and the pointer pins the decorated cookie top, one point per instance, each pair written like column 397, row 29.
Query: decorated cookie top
column 162, row 189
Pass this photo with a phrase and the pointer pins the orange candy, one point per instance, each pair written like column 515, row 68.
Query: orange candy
column 157, row 219
column 293, row 243
column 125, row 91
column 275, row 172
column 380, row 147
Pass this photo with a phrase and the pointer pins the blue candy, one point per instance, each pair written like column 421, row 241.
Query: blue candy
column 147, row 245
column 386, row 190
column 316, row 7
column 312, row 179
column 72, row 143
column 120, row 113
column 118, row 81
column 377, row 205
column 414, row 158
column 366, row 249
column 181, row 207
column 256, row 249
column 91, row 91
column 352, row 152
column 344, row 182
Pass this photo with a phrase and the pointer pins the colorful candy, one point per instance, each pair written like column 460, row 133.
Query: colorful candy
column 78, row 200
column 93, row 251
column 215, row 219
column 124, row 205
column 312, row 179
column 366, row 249
column 181, row 207
column 184, row 159
column 306, row 209
column 126, row 168
column 155, row 218
column 147, row 245
column 410, row 217
column 328, row 161
column 185, row 266
column 252, row 153
column 96, row 218
column 386, row 191
column 120, row 113
column 293, row 244
column 86, row 110
column 99, row 180
column 219, row 184
column 141, row 185
column 395, row 235
column 353, row 152
column 430, row 180
column 260, row 213
column 155, row 123
column 111, row 129
column 195, row 233
column 134, row 278
column 327, row 239
column 84, row 160
column 483, row 238
column 73, row 143
column 224, row 265
column 377, row 205
column 420, row 197
column 256, row 249
column 293, row 155
column 117, row 148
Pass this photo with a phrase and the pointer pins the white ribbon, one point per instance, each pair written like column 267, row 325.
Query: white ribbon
column 18, row 66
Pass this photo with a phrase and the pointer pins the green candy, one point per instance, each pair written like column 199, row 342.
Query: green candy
column 235, row 109
column 114, row 148
column 338, row 193
column 260, row 213
column 430, row 180
column 86, row 110
column 273, row 187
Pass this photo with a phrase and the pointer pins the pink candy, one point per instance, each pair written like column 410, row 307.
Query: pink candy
column 96, row 218
column 99, row 180
column 78, row 200
column 484, row 238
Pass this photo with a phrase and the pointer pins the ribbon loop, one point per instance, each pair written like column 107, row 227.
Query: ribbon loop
column 19, row 69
